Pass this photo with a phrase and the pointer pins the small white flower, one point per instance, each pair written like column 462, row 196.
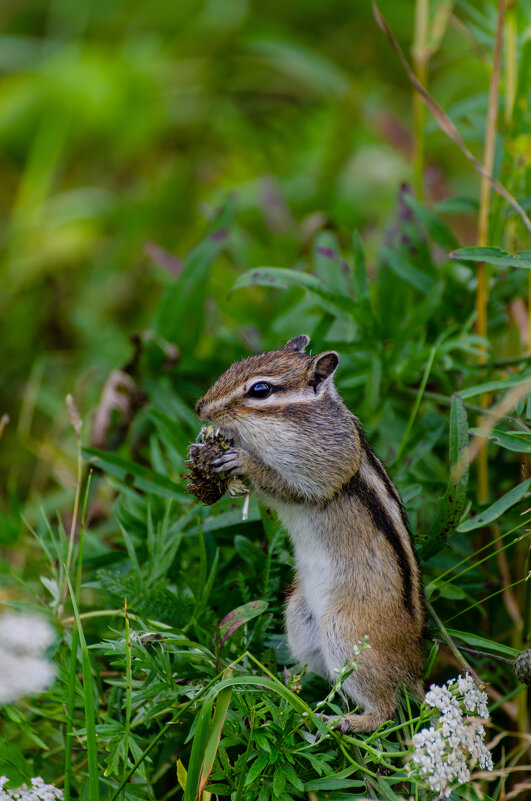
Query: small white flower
column 24, row 667
column 23, row 675
column 39, row 791
column 474, row 699
column 25, row 633
column 444, row 752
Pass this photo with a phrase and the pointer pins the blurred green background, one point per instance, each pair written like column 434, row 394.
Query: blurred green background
column 126, row 123
column 153, row 155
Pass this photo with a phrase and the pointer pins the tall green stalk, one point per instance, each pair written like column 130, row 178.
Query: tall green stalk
column 420, row 59
column 483, row 230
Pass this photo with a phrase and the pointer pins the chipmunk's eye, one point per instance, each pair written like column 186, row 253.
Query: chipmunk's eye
column 260, row 390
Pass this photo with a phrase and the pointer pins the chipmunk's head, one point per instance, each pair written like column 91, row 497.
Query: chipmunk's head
column 279, row 383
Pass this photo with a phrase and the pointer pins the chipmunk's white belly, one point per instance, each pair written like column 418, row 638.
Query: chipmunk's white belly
column 312, row 560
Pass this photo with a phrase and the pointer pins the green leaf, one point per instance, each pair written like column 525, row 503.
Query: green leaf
column 270, row 684
column 516, row 441
column 365, row 316
column 493, row 256
column 133, row 474
column 361, row 283
column 181, row 309
column 403, row 269
column 494, row 386
column 233, row 517
column 261, row 740
column 293, row 778
column 301, row 64
column 416, row 321
column 483, row 642
column 333, row 783
column 220, row 713
column 279, row 780
column 438, row 230
column 201, row 738
column 453, row 592
column 13, row 765
column 493, row 512
column 249, row 552
column 457, row 205
column 374, row 383
column 453, row 502
column 238, row 617
column 153, row 600
column 330, row 265
column 256, row 769
column 283, row 278
column 170, row 431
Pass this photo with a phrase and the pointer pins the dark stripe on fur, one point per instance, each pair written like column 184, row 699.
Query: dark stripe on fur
column 382, row 473
column 379, row 468
column 384, row 523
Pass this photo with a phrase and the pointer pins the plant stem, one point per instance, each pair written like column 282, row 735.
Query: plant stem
column 483, row 230
column 488, row 654
column 451, row 645
column 128, row 694
column 420, row 60
column 510, row 61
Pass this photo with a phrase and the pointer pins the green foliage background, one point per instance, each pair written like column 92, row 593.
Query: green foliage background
column 185, row 183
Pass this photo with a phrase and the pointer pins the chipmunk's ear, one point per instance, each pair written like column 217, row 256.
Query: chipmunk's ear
column 297, row 344
column 323, row 369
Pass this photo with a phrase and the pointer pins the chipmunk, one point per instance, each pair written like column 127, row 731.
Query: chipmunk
column 298, row 447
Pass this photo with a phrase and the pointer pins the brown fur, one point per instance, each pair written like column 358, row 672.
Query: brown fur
column 304, row 453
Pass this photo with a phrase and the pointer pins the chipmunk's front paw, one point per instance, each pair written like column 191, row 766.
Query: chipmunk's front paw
column 194, row 450
column 231, row 462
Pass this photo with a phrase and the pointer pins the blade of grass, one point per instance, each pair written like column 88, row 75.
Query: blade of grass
column 128, row 691
column 487, row 598
column 90, row 712
column 220, row 713
column 76, row 425
column 436, row 584
column 73, row 655
column 473, row 555
column 70, row 714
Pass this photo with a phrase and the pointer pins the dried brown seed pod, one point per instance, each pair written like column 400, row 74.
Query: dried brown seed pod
column 203, row 481
column 522, row 667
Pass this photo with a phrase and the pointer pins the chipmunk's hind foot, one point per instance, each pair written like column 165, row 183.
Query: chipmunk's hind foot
column 369, row 721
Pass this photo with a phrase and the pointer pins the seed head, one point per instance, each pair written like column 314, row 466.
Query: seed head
column 522, row 666
column 203, row 481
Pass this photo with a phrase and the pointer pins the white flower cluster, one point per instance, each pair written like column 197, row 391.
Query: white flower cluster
column 24, row 667
column 39, row 791
column 455, row 740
